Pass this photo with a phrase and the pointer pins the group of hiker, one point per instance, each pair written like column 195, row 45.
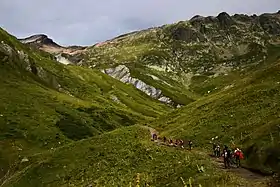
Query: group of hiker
column 170, row 142
column 230, row 156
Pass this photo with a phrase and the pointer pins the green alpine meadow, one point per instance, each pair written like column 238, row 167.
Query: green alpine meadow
column 86, row 116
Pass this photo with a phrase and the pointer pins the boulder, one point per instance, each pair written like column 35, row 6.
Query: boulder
column 242, row 17
column 270, row 24
column 225, row 20
column 187, row 34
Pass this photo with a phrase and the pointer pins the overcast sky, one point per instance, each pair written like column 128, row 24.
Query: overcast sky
column 85, row 22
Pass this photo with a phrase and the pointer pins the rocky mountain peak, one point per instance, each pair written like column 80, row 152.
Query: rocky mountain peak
column 39, row 40
column 223, row 15
column 225, row 20
column 197, row 18
column 65, row 55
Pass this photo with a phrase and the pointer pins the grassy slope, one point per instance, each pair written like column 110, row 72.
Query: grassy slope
column 246, row 115
column 59, row 104
column 114, row 159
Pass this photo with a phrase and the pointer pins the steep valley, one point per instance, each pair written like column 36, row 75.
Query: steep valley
column 81, row 116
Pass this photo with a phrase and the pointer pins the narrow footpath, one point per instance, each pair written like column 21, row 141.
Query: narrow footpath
column 241, row 171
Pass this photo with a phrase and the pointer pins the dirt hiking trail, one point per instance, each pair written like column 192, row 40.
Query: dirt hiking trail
column 242, row 172
column 239, row 171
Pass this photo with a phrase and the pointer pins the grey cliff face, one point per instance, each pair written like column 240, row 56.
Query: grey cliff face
column 122, row 73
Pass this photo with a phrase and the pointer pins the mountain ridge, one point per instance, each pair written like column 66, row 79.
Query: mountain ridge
column 207, row 46
column 219, row 78
column 220, row 16
column 65, row 55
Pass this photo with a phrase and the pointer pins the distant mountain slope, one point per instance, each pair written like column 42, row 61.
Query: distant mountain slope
column 45, row 104
column 200, row 56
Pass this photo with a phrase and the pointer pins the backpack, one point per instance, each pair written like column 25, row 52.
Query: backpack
column 229, row 153
column 241, row 156
column 225, row 153
column 237, row 153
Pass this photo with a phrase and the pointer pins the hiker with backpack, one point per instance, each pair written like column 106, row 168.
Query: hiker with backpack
column 232, row 157
column 214, row 149
column 238, row 156
column 227, row 156
column 182, row 144
column 218, row 151
column 190, row 145
column 153, row 136
column 170, row 142
column 164, row 139
column 175, row 143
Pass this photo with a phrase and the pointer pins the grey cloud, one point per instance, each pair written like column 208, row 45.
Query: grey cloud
column 86, row 22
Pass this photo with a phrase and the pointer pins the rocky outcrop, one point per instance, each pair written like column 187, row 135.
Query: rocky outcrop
column 225, row 20
column 122, row 73
column 5, row 49
column 270, row 24
column 73, row 58
column 62, row 59
column 238, row 26
column 65, row 55
column 19, row 58
column 187, row 34
column 39, row 40
column 243, row 17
